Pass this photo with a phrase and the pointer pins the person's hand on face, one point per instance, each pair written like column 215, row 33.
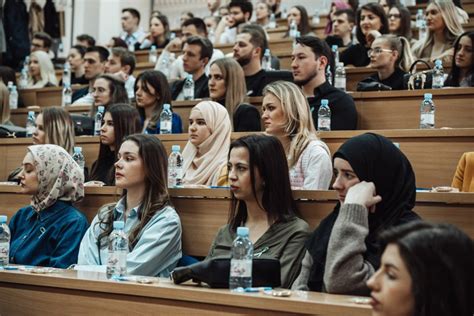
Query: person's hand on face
column 122, row 75
column 363, row 193
column 371, row 36
column 175, row 44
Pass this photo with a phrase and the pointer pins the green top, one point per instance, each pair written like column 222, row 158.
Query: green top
column 282, row 241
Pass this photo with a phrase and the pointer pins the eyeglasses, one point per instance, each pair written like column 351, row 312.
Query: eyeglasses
column 377, row 51
column 394, row 16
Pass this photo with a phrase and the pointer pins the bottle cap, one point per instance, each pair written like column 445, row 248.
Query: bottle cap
column 166, row 106
column 153, row 47
column 438, row 62
column 334, row 48
column 324, row 102
column 119, row 224
column 428, row 96
column 243, row 231
column 267, row 51
column 10, row 83
column 340, row 64
column 3, row 219
column 298, row 33
column 175, row 148
column 31, row 113
column 77, row 150
column 100, row 108
column 13, row 88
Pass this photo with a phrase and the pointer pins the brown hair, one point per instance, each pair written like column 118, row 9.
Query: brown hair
column 58, row 128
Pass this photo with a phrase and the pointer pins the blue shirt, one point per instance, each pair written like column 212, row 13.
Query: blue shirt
column 157, row 250
column 50, row 238
column 176, row 126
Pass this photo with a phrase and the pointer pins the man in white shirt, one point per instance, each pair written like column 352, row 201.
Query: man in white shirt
column 240, row 11
column 132, row 33
column 122, row 62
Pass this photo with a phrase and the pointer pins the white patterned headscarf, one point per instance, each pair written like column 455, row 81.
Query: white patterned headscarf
column 59, row 176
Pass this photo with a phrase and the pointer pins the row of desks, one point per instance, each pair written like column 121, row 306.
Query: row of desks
column 434, row 154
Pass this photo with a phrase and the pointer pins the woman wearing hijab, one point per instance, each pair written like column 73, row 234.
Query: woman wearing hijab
column 49, row 231
column 205, row 154
column 376, row 190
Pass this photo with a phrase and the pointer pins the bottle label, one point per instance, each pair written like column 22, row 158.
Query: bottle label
column 97, row 127
column 340, row 82
column 241, row 268
column 67, row 99
column 117, row 260
column 427, row 119
column 4, row 253
column 165, row 125
column 324, row 123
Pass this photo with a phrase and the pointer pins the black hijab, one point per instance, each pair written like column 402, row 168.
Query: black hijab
column 375, row 159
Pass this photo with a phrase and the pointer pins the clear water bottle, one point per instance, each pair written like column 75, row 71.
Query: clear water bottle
column 267, row 60
column 172, row 36
column 23, row 82
column 13, row 103
column 438, row 75
column 329, row 74
column 316, row 19
column 175, row 167
column 4, row 241
column 211, row 35
column 272, row 23
column 427, row 112
column 423, row 31
column 293, row 29
column 30, row 123
column 153, row 57
column 67, row 95
column 79, row 157
column 26, row 63
column 419, row 18
column 118, row 250
column 9, row 86
column 166, row 120
column 294, row 40
column 188, row 88
column 98, row 120
column 67, row 74
column 131, row 47
column 324, row 116
column 284, row 13
column 335, row 52
column 340, row 76
column 164, row 66
column 240, row 275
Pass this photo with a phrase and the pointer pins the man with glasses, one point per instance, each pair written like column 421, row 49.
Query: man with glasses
column 240, row 11
column 310, row 57
column 41, row 41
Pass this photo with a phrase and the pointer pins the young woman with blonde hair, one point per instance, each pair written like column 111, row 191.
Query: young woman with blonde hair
column 227, row 87
column 4, row 105
column 443, row 29
column 41, row 71
column 287, row 116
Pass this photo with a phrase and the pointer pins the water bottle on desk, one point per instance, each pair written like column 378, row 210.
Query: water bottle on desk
column 118, row 250
column 166, row 119
column 79, row 157
column 267, row 60
column 13, row 102
column 329, row 75
column 188, row 88
column 153, row 57
column 293, row 29
column 316, row 18
column 4, row 241
column 335, row 52
column 240, row 275
column 419, row 18
column 67, row 74
column 175, row 167
column 340, row 77
column 427, row 112
column 67, row 95
column 272, row 24
column 23, row 82
column 324, row 116
column 422, row 31
column 98, row 120
column 438, row 75
column 30, row 124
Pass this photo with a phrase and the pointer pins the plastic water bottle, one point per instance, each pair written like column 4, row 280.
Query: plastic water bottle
column 324, row 116
column 98, row 120
column 118, row 250
column 267, row 60
column 211, row 35
column 272, row 23
column 26, row 63
column 13, row 98
column 340, row 77
column 153, row 57
column 172, row 36
column 240, row 275
column 438, row 75
column 188, row 88
column 294, row 39
column 67, row 95
column 175, row 167
column 4, row 241
column 329, row 74
column 79, row 157
column 67, row 74
column 335, row 52
column 131, row 47
column 423, row 31
column 166, row 120
column 10, row 86
column 30, row 123
column 293, row 29
column 419, row 18
column 284, row 13
column 427, row 112
column 316, row 19
column 164, row 66
column 23, row 82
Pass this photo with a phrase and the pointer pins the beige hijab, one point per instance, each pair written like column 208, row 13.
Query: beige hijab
column 213, row 151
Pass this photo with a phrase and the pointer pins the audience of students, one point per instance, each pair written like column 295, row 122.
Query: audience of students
column 41, row 71
column 205, row 154
column 299, row 15
column 48, row 232
column 151, row 223
column 462, row 67
column 262, row 201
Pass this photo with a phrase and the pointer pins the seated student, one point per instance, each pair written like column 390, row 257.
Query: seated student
column 48, row 232
column 262, row 201
column 41, row 71
column 299, row 14
column 116, row 42
column 335, row 6
column 370, row 21
column 227, row 86
column 399, row 22
column 121, row 62
column 262, row 14
column 152, row 91
column 120, row 120
column 426, row 270
column 151, row 223
column 387, row 4
column 464, row 177
column 391, row 57
column 205, row 154
column 286, row 115
column 342, row 24
column 240, row 12
column 159, row 34
column 343, row 252
column 462, row 69
column 443, row 29
column 310, row 58
column 85, row 40
column 76, row 61
column 107, row 90
column 197, row 52
column 4, row 105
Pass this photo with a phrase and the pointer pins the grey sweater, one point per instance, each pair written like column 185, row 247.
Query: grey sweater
column 346, row 271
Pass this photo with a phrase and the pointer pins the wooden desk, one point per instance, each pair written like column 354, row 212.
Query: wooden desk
column 89, row 293
column 44, row 96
